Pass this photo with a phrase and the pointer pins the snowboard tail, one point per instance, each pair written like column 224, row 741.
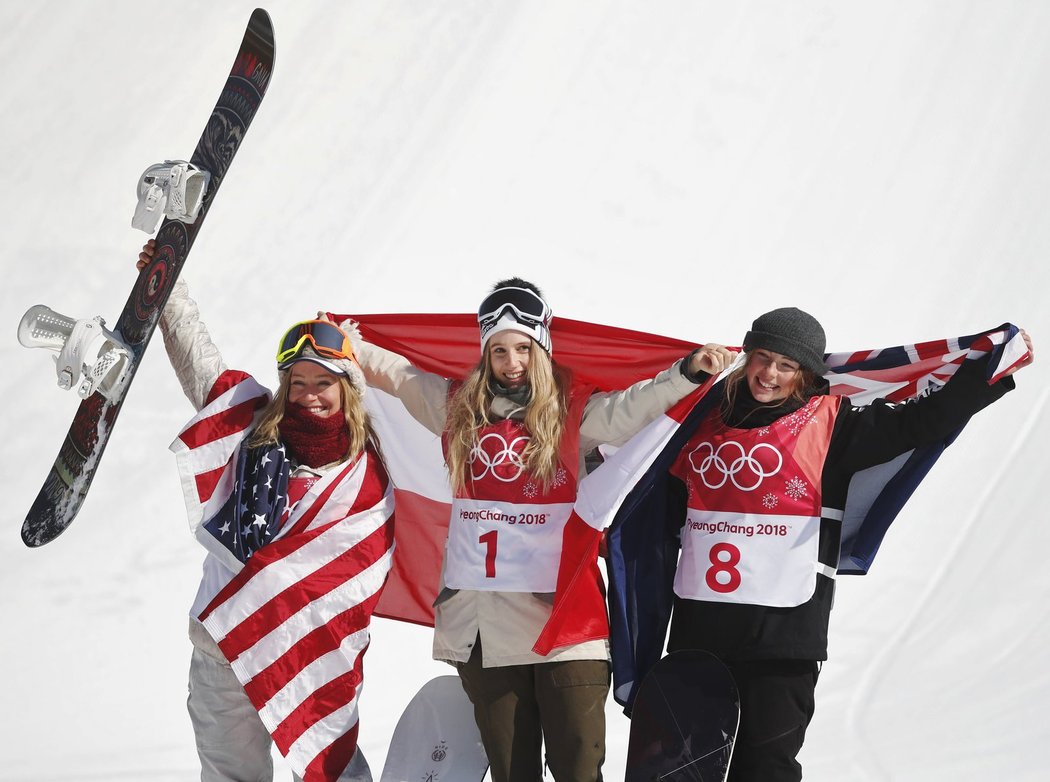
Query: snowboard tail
column 436, row 738
column 70, row 477
column 684, row 721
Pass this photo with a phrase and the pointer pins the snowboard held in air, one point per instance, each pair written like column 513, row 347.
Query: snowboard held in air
column 101, row 363
column 436, row 739
column 684, row 721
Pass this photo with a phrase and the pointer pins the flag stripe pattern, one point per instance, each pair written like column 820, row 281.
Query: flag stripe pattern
column 600, row 497
column 293, row 620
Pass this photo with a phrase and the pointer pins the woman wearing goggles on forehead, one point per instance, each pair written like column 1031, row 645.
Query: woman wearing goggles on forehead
column 514, row 433
column 305, row 467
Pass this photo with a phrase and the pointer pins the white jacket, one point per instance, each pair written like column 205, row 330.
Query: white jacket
column 510, row 622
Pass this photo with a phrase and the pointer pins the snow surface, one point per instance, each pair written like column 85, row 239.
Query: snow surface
column 675, row 166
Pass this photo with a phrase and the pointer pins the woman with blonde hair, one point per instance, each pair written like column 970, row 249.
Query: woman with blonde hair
column 289, row 495
column 514, row 434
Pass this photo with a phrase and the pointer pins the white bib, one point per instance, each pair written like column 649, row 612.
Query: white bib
column 504, row 547
column 505, row 531
column 745, row 558
column 752, row 529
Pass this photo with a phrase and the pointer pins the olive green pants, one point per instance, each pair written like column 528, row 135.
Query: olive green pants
column 520, row 708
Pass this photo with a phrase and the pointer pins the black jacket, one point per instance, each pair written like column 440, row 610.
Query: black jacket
column 862, row 437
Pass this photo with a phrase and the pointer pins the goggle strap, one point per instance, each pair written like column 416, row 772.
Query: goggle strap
column 307, row 331
column 525, row 303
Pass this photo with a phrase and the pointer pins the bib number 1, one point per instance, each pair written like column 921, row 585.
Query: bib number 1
column 489, row 539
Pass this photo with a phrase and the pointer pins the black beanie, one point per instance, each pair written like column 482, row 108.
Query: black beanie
column 792, row 333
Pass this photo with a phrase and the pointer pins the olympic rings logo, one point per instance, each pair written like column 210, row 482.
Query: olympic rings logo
column 503, row 461
column 728, row 461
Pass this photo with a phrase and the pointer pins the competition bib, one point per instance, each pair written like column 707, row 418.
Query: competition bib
column 745, row 558
column 505, row 532
column 510, row 548
column 752, row 529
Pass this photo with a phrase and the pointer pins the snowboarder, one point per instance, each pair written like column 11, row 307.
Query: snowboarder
column 317, row 432
column 756, row 590
column 514, row 433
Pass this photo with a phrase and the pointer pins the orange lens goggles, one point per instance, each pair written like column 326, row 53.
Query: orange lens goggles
column 327, row 340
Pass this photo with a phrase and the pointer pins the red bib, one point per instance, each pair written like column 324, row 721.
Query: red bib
column 752, row 526
column 506, row 528
column 297, row 489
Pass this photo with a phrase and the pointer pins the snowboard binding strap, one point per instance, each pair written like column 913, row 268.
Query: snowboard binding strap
column 89, row 355
column 172, row 189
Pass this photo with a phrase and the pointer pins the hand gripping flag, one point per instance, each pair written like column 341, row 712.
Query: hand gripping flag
column 293, row 621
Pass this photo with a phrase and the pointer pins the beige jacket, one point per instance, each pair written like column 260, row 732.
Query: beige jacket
column 510, row 622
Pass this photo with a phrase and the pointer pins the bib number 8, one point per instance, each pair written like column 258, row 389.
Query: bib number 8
column 724, row 558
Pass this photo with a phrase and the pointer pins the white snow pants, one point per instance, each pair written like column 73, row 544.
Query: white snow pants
column 232, row 742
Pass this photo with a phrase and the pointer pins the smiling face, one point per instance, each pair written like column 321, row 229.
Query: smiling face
column 771, row 377
column 315, row 389
column 508, row 353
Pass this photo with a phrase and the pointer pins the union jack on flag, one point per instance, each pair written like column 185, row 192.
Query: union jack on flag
column 912, row 371
column 293, row 621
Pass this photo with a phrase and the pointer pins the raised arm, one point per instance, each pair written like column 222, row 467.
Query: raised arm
column 613, row 417
column 194, row 357
column 424, row 394
column 876, row 433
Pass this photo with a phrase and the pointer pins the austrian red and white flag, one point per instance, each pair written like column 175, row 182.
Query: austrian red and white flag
column 579, row 611
column 600, row 357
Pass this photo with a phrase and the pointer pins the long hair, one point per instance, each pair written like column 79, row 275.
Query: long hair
column 544, row 416
column 358, row 423
column 805, row 383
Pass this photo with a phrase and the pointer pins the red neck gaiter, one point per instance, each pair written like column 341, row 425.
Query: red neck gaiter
column 312, row 440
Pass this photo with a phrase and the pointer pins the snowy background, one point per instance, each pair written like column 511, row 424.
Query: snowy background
column 675, row 166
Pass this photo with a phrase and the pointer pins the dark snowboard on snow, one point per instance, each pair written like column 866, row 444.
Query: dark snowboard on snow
column 684, row 721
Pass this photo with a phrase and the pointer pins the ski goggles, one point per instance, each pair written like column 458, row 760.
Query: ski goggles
column 327, row 340
column 524, row 305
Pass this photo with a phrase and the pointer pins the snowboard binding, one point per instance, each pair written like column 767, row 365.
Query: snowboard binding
column 89, row 355
column 172, row 189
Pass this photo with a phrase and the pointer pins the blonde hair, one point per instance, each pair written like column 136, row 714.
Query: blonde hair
column 545, row 413
column 266, row 431
column 803, row 383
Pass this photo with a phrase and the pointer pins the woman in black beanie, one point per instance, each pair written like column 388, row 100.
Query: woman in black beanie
column 762, row 484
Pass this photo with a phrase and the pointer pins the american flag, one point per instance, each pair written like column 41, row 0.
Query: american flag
column 293, row 621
